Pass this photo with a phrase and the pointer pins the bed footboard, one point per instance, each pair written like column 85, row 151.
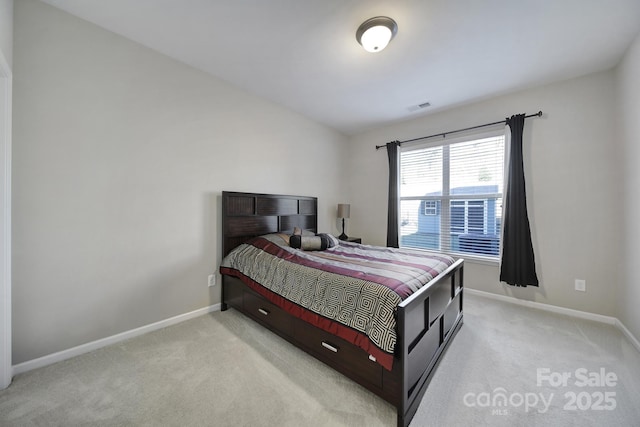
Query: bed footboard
column 428, row 320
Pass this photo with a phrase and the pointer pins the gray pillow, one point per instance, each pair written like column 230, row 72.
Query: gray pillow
column 319, row 242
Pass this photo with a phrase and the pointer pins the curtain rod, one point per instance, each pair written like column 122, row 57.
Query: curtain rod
column 444, row 134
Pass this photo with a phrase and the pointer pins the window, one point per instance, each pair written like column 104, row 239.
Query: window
column 451, row 195
column 468, row 216
column 430, row 207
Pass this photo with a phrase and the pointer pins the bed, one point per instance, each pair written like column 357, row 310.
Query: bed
column 395, row 363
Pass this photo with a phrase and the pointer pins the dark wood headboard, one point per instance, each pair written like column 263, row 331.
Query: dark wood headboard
column 247, row 215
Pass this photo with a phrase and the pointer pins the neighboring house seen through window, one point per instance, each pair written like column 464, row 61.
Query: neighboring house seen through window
column 451, row 195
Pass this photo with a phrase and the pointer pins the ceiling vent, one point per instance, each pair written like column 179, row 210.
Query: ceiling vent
column 419, row 106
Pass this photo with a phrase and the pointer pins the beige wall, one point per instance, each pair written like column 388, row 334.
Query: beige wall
column 6, row 30
column 6, row 47
column 573, row 180
column 120, row 155
column 629, row 127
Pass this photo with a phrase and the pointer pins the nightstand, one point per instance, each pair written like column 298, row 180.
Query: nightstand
column 354, row 240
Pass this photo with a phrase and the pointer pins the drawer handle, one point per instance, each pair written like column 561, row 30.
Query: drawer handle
column 263, row 311
column 329, row 347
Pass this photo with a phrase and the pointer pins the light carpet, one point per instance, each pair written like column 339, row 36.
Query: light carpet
column 223, row 369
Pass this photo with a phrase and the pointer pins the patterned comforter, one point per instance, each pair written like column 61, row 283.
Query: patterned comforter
column 350, row 290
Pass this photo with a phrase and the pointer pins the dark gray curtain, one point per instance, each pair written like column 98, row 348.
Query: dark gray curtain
column 392, row 216
column 518, row 267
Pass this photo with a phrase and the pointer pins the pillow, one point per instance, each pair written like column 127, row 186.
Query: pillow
column 278, row 238
column 297, row 231
column 312, row 243
column 334, row 240
column 284, row 237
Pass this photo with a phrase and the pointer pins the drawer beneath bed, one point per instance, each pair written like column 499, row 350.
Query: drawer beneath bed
column 330, row 348
column 267, row 313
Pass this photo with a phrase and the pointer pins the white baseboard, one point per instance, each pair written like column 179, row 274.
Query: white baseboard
column 94, row 345
column 626, row 332
column 545, row 307
column 561, row 310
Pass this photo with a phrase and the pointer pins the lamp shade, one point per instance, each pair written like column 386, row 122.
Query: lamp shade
column 344, row 210
column 375, row 34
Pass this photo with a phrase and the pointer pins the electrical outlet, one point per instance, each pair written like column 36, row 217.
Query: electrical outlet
column 212, row 280
column 581, row 285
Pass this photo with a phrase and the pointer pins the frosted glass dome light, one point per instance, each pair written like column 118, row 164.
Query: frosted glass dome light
column 375, row 34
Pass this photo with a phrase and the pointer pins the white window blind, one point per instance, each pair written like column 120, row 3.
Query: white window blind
column 451, row 196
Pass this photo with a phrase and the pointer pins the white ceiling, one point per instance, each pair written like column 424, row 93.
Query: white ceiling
column 303, row 54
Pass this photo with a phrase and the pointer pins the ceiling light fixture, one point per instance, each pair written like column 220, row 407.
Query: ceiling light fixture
column 375, row 34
